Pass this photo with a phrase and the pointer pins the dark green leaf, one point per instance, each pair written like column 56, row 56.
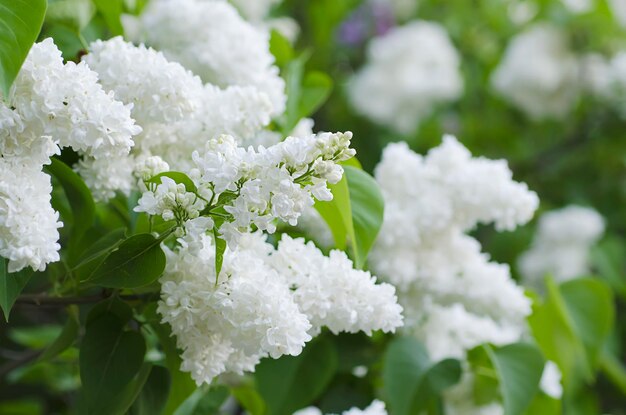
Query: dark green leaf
column 110, row 357
column 411, row 381
column 11, row 285
column 138, row 261
column 20, row 23
column 78, row 196
column 93, row 256
column 182, row 386
column 517, row 368
column 178, row 177
column 111, row 10
column 132, row 391
column 293, row 382
column 153, row 396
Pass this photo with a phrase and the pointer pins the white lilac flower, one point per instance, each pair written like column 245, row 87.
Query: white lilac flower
column 255, row 308
column 331, row 293
column 453, row 295
column 51, row 104
column 578, row 6
column 561, row 245
column 539, row 74
column 28, row 224
column 171, row 201
column 160, row 91
column 278, row 182
column 410, row 71
column 230, row 325
column 214, row 42
column 66, row 102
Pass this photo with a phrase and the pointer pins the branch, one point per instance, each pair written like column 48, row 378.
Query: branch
column 22, row 360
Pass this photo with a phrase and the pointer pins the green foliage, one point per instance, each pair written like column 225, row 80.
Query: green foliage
column 111, row 10
column 572, row 325
column 355, row 213
column 510, row 373
column 137, row 261
column 293, row 382
column 20, row 23
column 178, row 177
column 412, row 382
column 110, row 358
column 78, row 196
column 11, row 285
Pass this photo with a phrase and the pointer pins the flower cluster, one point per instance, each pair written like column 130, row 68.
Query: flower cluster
column 539, row 74
column 214, row 42
column 561, row 245
column 267, row 301
column 247, row 187
column 410, row 71
column 51, row 105
column 454, row 297
column 375, row 408
column 177, row 111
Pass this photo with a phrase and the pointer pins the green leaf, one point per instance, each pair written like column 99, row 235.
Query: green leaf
column 204, row 400
column 316, row 88
column 411, row 381
column 75, row 14
column 66, row 338
column 93, row 256
column 293, row 382
column 280, row 48
column 178, row 177
column 132, row 391
column 110, row 357
column 544, row 405
column 11, row 286
column 137, row 261
column 367, row 205
column 78, row 196
column 154, row 394
column 249, row 399
column 111, row 10
column 572, row 325
column 220, row 248
column 337, row 213
column 517, row 368
column 355, row 213
column 20, row 24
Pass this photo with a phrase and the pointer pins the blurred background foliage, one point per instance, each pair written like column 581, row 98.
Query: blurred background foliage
column 580, row 159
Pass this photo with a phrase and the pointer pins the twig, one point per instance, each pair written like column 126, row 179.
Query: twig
column 23, row 359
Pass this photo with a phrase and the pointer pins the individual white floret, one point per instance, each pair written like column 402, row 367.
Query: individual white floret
column 214, row 42
column 332, row 293
column 539, row 74
column 410, row 71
